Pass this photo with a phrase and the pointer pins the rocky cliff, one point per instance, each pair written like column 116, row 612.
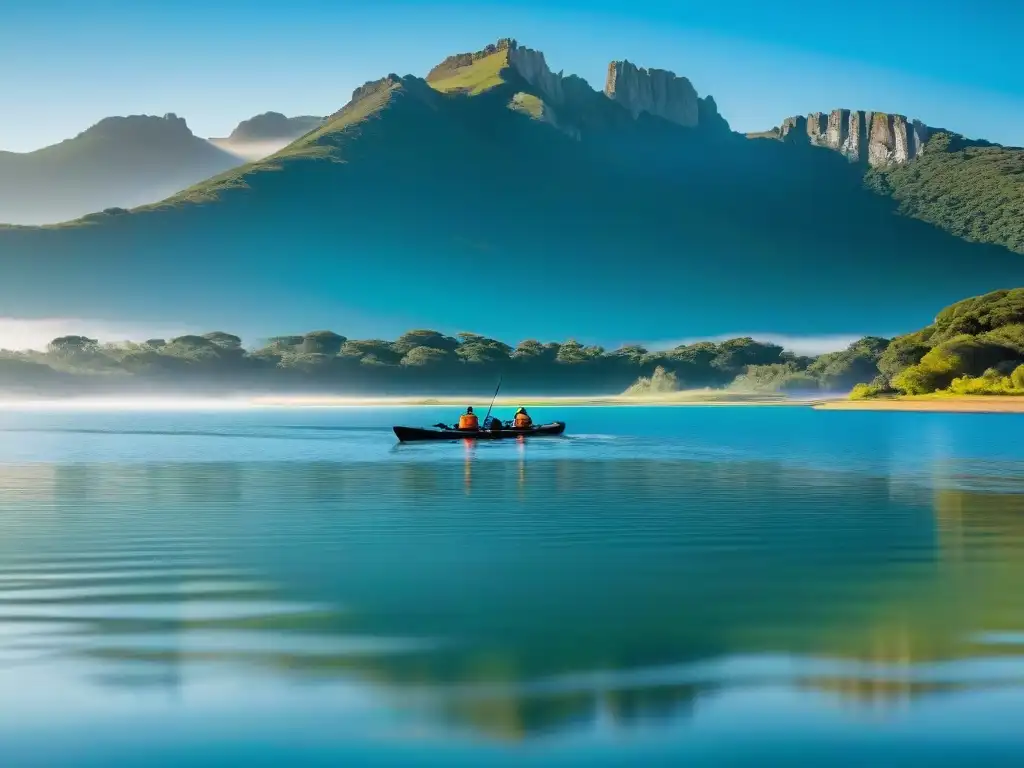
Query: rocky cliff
column 878, row 139
column 655, row 91
column 565, row 98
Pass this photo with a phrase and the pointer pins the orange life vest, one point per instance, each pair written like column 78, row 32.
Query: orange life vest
column 522, row 421
column 469, row 421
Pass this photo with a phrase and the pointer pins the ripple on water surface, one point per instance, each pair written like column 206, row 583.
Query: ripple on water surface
column 223, row 578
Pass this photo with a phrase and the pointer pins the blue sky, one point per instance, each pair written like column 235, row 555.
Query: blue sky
column 64, row 64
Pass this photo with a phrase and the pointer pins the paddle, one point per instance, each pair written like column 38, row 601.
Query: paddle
column 484, row 422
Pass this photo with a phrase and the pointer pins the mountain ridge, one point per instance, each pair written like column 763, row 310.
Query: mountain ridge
column 661, row 229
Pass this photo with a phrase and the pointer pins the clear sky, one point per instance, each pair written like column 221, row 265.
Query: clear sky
column 65, row 64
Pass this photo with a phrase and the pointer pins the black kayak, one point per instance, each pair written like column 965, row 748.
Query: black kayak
column 410, row 434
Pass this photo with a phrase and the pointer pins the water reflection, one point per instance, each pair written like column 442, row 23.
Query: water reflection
column 514, row 597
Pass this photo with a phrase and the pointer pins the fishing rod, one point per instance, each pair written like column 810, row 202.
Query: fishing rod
column 484, row 422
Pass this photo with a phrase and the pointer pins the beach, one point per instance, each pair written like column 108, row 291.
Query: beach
column 938, row 404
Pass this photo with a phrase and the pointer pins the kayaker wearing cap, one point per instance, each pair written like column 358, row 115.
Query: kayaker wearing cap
column 468, row 420
column 522, row 419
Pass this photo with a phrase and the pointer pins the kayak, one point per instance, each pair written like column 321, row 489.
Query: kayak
column 410, row 434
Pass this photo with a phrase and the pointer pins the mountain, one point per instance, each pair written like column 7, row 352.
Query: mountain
column 498, row 195
column 971, row 188
column 265, row 134
column 120, row 162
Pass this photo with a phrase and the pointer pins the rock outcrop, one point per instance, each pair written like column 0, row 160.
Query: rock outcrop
column 372, row 87
column 564, row 98
column 533, row 68
column 170, row 127
column 878, row 139
column 655, row 91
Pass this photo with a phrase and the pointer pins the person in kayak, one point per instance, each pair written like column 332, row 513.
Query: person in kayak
column 468, row 420
column 522, row 419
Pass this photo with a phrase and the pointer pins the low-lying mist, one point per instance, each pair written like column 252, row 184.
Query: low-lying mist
column 251, row 151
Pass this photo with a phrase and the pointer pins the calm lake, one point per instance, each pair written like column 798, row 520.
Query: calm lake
column 699, row 585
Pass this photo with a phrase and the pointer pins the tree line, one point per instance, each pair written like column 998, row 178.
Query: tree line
column 428, row 361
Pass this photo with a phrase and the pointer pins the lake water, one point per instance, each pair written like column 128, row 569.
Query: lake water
column 708, row 585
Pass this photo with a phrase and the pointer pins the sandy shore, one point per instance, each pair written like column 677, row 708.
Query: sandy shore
column 956, row 404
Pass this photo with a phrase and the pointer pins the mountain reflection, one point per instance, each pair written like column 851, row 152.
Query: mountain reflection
column 513, row 596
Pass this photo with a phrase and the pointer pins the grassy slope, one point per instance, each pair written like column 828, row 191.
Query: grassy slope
column 328, row 142
column 325, row 143
column 481, row 75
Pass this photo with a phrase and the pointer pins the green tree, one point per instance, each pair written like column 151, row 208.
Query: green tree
column 425, row 338
column 223, row 340
column 632, row 353
column 477, row 349
column 322, row 343
column 73, row 346
column 856, row 364
column 379, row 351
column 902, row 352
column 421, row 357
column 573, row 352
column 734, row 355
column 1017, row 378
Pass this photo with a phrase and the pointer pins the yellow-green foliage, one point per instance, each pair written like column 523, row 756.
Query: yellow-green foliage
column 660, row 382
column 864, row 391
column 989, row 383
column 936, row 370
column 528, row 103
column 1017, row 378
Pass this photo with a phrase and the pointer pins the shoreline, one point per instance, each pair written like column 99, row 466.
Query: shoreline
column 691, row 398
column 528, row 402
column 931, row 404
column 699, row 398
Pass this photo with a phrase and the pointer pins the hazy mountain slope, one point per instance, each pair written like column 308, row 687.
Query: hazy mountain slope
column 434, row 207
column 119, row 162
column 265, row 134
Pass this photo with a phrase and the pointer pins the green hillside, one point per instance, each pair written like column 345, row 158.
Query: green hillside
column 432, row 199
column 325, row 143
column 973, row 190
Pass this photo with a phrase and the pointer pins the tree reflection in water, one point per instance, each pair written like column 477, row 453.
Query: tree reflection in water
column 515, row 596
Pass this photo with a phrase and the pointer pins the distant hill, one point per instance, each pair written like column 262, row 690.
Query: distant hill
column 973, row 189
column 121, row 162
column 265, row 134
column 501, row 196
